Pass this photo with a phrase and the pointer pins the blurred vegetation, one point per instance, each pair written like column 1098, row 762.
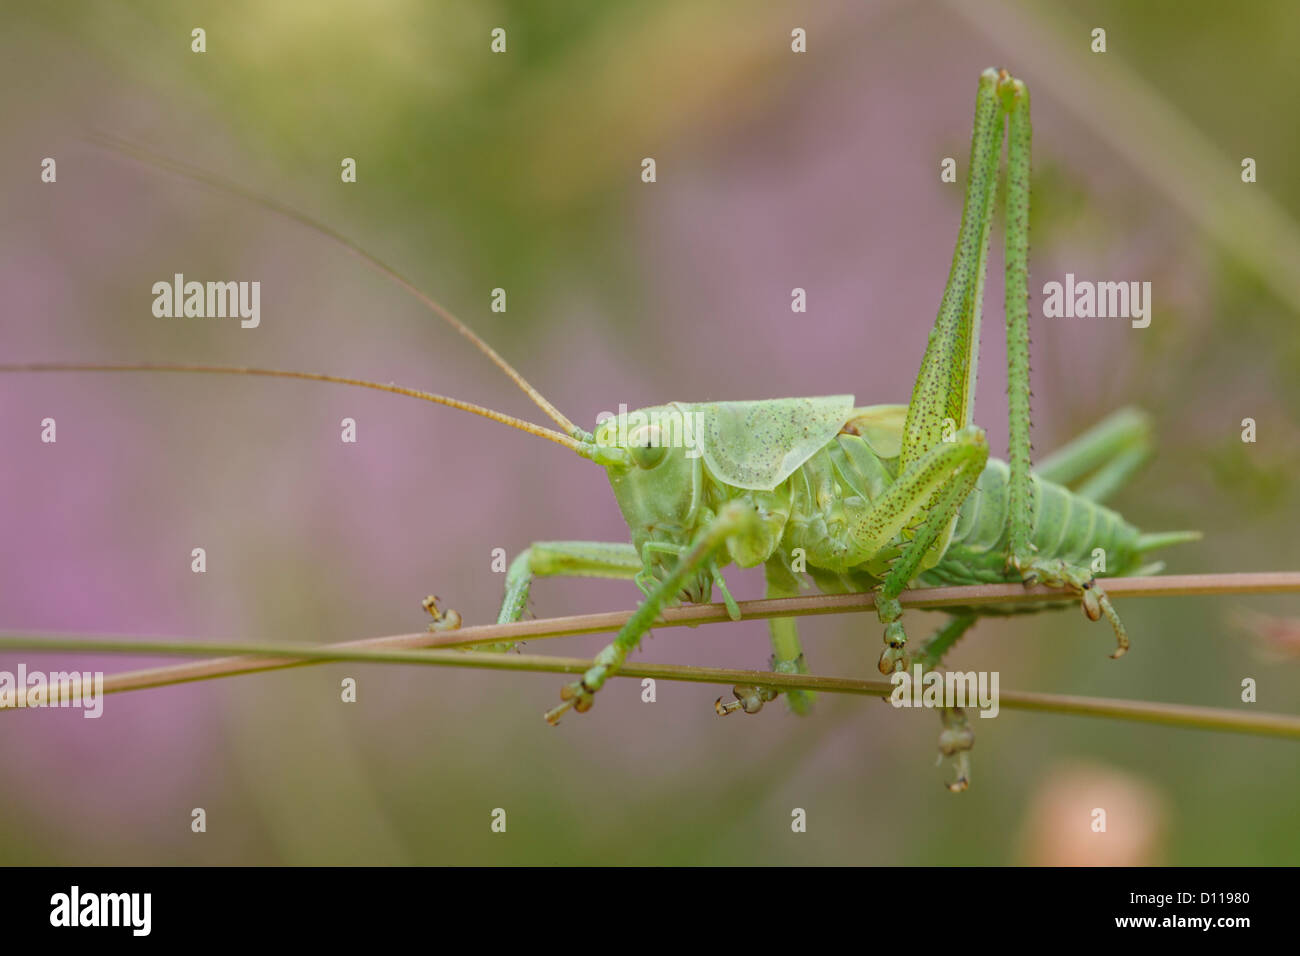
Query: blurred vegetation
column 479, row 171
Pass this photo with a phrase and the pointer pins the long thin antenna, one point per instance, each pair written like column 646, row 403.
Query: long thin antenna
column 206, row 178
column 523, row 426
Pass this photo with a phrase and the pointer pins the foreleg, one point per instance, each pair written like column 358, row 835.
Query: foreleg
column 735, row 518
column 574, row 559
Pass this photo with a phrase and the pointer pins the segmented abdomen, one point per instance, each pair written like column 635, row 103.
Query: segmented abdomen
column 1067, row 527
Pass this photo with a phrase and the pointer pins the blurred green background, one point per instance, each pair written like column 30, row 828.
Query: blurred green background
column 522, row 171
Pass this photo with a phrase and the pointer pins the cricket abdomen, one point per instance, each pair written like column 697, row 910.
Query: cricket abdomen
column 1067, row 527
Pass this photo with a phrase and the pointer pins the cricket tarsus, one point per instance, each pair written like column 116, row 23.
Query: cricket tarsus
column 448, row 620
column 749, row 698
column 955, row 743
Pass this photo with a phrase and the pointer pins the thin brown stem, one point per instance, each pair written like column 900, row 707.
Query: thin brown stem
column 922, row 598
column 1173, row 715
column 1273, row 582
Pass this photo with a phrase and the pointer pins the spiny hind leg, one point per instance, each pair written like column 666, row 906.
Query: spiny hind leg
column 1094, row 465
column 1057, row 573
column 1022, row 504
column 944, row 392
column 956, row 738
column 959, row 464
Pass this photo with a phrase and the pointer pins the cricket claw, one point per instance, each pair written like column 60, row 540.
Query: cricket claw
column 727, row 708
column 749, row 699
column 555, row 713
column 448, row 620
column 575, row 695
column 895, row 656
column 893, row 659
column 1092, row 597
column 1096, row 605
column 1091, row 604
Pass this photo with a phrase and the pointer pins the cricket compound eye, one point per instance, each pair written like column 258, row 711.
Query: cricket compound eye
column 646, row 446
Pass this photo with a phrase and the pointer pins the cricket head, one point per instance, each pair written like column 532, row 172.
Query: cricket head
column 655, row 467
column 653, row 462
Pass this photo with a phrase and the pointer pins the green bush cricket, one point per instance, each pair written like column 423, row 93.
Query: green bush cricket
column 859, row 498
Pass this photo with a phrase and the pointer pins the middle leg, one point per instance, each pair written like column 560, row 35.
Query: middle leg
column 787, row 654
column 956, row 739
